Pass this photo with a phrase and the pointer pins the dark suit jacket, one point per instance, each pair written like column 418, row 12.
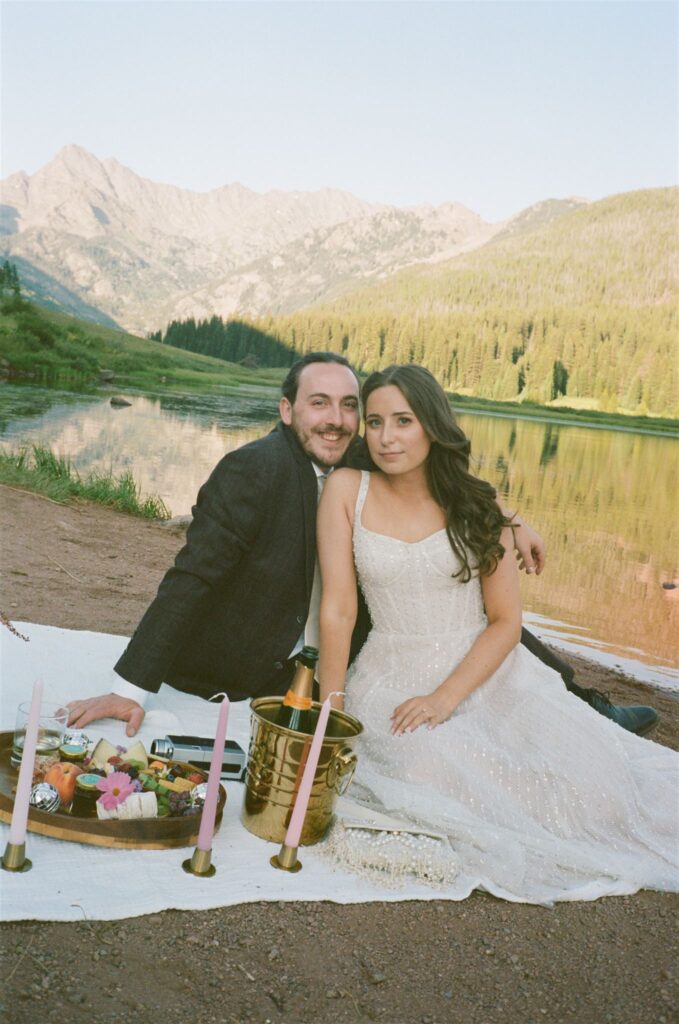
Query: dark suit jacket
column 229, row 612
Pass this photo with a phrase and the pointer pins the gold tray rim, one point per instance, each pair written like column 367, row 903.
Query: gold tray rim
column 141, row 834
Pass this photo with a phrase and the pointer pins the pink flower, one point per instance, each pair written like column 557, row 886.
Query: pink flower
column 115, row 789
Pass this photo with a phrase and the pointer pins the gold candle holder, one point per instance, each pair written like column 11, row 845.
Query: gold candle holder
column 14, row 858
column 200, row 864
column 286, row 859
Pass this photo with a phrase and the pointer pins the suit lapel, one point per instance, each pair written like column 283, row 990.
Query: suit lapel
column 308, row 485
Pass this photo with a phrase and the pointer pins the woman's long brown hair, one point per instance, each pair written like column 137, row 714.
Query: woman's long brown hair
column 474, row 520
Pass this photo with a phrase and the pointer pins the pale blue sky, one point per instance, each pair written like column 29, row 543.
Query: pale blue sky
column 495, row 105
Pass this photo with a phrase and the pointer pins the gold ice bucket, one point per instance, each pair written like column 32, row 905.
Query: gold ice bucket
column 273, row 771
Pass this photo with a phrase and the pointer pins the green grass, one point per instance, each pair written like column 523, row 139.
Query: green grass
column 39, row 469
column 48, row 346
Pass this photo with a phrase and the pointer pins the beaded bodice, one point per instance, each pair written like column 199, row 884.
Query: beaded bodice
column 409, row 587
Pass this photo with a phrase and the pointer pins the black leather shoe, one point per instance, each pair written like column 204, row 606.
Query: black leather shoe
column 636, row 718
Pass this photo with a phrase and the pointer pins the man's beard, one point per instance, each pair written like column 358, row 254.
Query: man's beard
column 317, row 456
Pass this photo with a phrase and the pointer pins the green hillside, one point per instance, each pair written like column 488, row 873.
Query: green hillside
column 40, row 344
column 581, row 312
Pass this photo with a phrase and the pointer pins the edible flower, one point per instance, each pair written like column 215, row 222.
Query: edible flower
column 115, row 789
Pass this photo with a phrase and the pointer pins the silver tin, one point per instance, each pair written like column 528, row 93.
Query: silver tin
column 44, row 797
column 198, row 794
column 76, row 738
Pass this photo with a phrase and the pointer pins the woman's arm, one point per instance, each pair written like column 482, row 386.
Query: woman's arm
column 502, row 601
column 338, row 577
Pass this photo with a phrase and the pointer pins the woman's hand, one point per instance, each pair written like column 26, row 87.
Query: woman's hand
column 430, row 710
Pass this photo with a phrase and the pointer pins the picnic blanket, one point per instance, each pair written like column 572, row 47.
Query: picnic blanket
column 73, row 881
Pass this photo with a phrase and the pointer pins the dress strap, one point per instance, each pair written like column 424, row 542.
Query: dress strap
column 361, row 496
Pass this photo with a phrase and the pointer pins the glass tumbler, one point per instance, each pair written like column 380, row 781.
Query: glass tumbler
column 51, row 727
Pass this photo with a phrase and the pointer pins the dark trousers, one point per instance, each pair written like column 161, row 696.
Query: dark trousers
column 552, row 660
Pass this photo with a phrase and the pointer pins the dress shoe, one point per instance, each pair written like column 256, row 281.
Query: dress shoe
column 636, row 718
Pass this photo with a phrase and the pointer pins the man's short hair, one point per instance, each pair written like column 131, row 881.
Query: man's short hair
column 291, row 383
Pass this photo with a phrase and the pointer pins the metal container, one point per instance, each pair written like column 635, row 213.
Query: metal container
column 45, row 797
column 276, row 759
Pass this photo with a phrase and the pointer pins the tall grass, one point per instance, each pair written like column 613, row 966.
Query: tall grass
column 38, row 469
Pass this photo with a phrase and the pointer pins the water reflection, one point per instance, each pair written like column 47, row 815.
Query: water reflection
column 604, row 500
column 169, row 443
column 606, row 503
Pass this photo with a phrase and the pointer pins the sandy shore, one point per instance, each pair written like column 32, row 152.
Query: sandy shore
column 481, row 961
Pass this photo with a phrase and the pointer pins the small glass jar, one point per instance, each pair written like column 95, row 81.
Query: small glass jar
column 85, row 796
column 74, row 746
column 72, row 752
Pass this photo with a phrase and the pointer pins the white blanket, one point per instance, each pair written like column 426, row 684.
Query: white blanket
column 72, row 881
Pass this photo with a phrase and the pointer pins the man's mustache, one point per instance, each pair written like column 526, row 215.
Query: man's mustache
column 330, row 429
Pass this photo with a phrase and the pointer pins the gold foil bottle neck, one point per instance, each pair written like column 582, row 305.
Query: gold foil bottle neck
column 299, row 695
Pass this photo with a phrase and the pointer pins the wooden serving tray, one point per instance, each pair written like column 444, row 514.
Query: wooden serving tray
column 140, row 834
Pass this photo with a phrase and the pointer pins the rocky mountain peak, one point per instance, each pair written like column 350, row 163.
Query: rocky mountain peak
column 74, row 162
column 143, row 252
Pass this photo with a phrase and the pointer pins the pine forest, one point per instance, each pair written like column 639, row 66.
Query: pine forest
column 581, row 312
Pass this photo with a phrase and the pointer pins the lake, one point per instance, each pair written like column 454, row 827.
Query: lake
column 605, row 500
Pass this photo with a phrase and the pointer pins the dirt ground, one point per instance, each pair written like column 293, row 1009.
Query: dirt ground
column 480, row 961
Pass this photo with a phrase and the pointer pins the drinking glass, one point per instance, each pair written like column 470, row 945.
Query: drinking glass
column 51, row 727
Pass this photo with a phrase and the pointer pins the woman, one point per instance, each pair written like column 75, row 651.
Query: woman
column 467, row 735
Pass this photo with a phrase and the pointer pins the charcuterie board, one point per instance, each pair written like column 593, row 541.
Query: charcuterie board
column 140, row 834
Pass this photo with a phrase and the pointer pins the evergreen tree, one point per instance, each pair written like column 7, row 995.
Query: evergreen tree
column 9, row 279
column 559, row 379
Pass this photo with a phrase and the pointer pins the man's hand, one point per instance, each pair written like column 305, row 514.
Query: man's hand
column 82, row 712
column 529, row 546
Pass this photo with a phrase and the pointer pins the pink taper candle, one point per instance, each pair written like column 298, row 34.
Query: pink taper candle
column 207, row 823
column 301, row 803
column 17, row 830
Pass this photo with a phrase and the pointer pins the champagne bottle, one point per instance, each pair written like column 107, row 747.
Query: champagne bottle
column 294, row 711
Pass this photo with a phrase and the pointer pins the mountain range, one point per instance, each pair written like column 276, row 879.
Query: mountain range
column 93, row 238
column 580, row 309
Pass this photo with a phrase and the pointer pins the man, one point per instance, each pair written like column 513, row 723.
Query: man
column 244, row 592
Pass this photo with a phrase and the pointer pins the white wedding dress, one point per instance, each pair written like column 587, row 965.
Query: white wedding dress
column 525, row 791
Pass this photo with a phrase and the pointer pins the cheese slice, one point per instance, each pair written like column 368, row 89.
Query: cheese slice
column 102, row 752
